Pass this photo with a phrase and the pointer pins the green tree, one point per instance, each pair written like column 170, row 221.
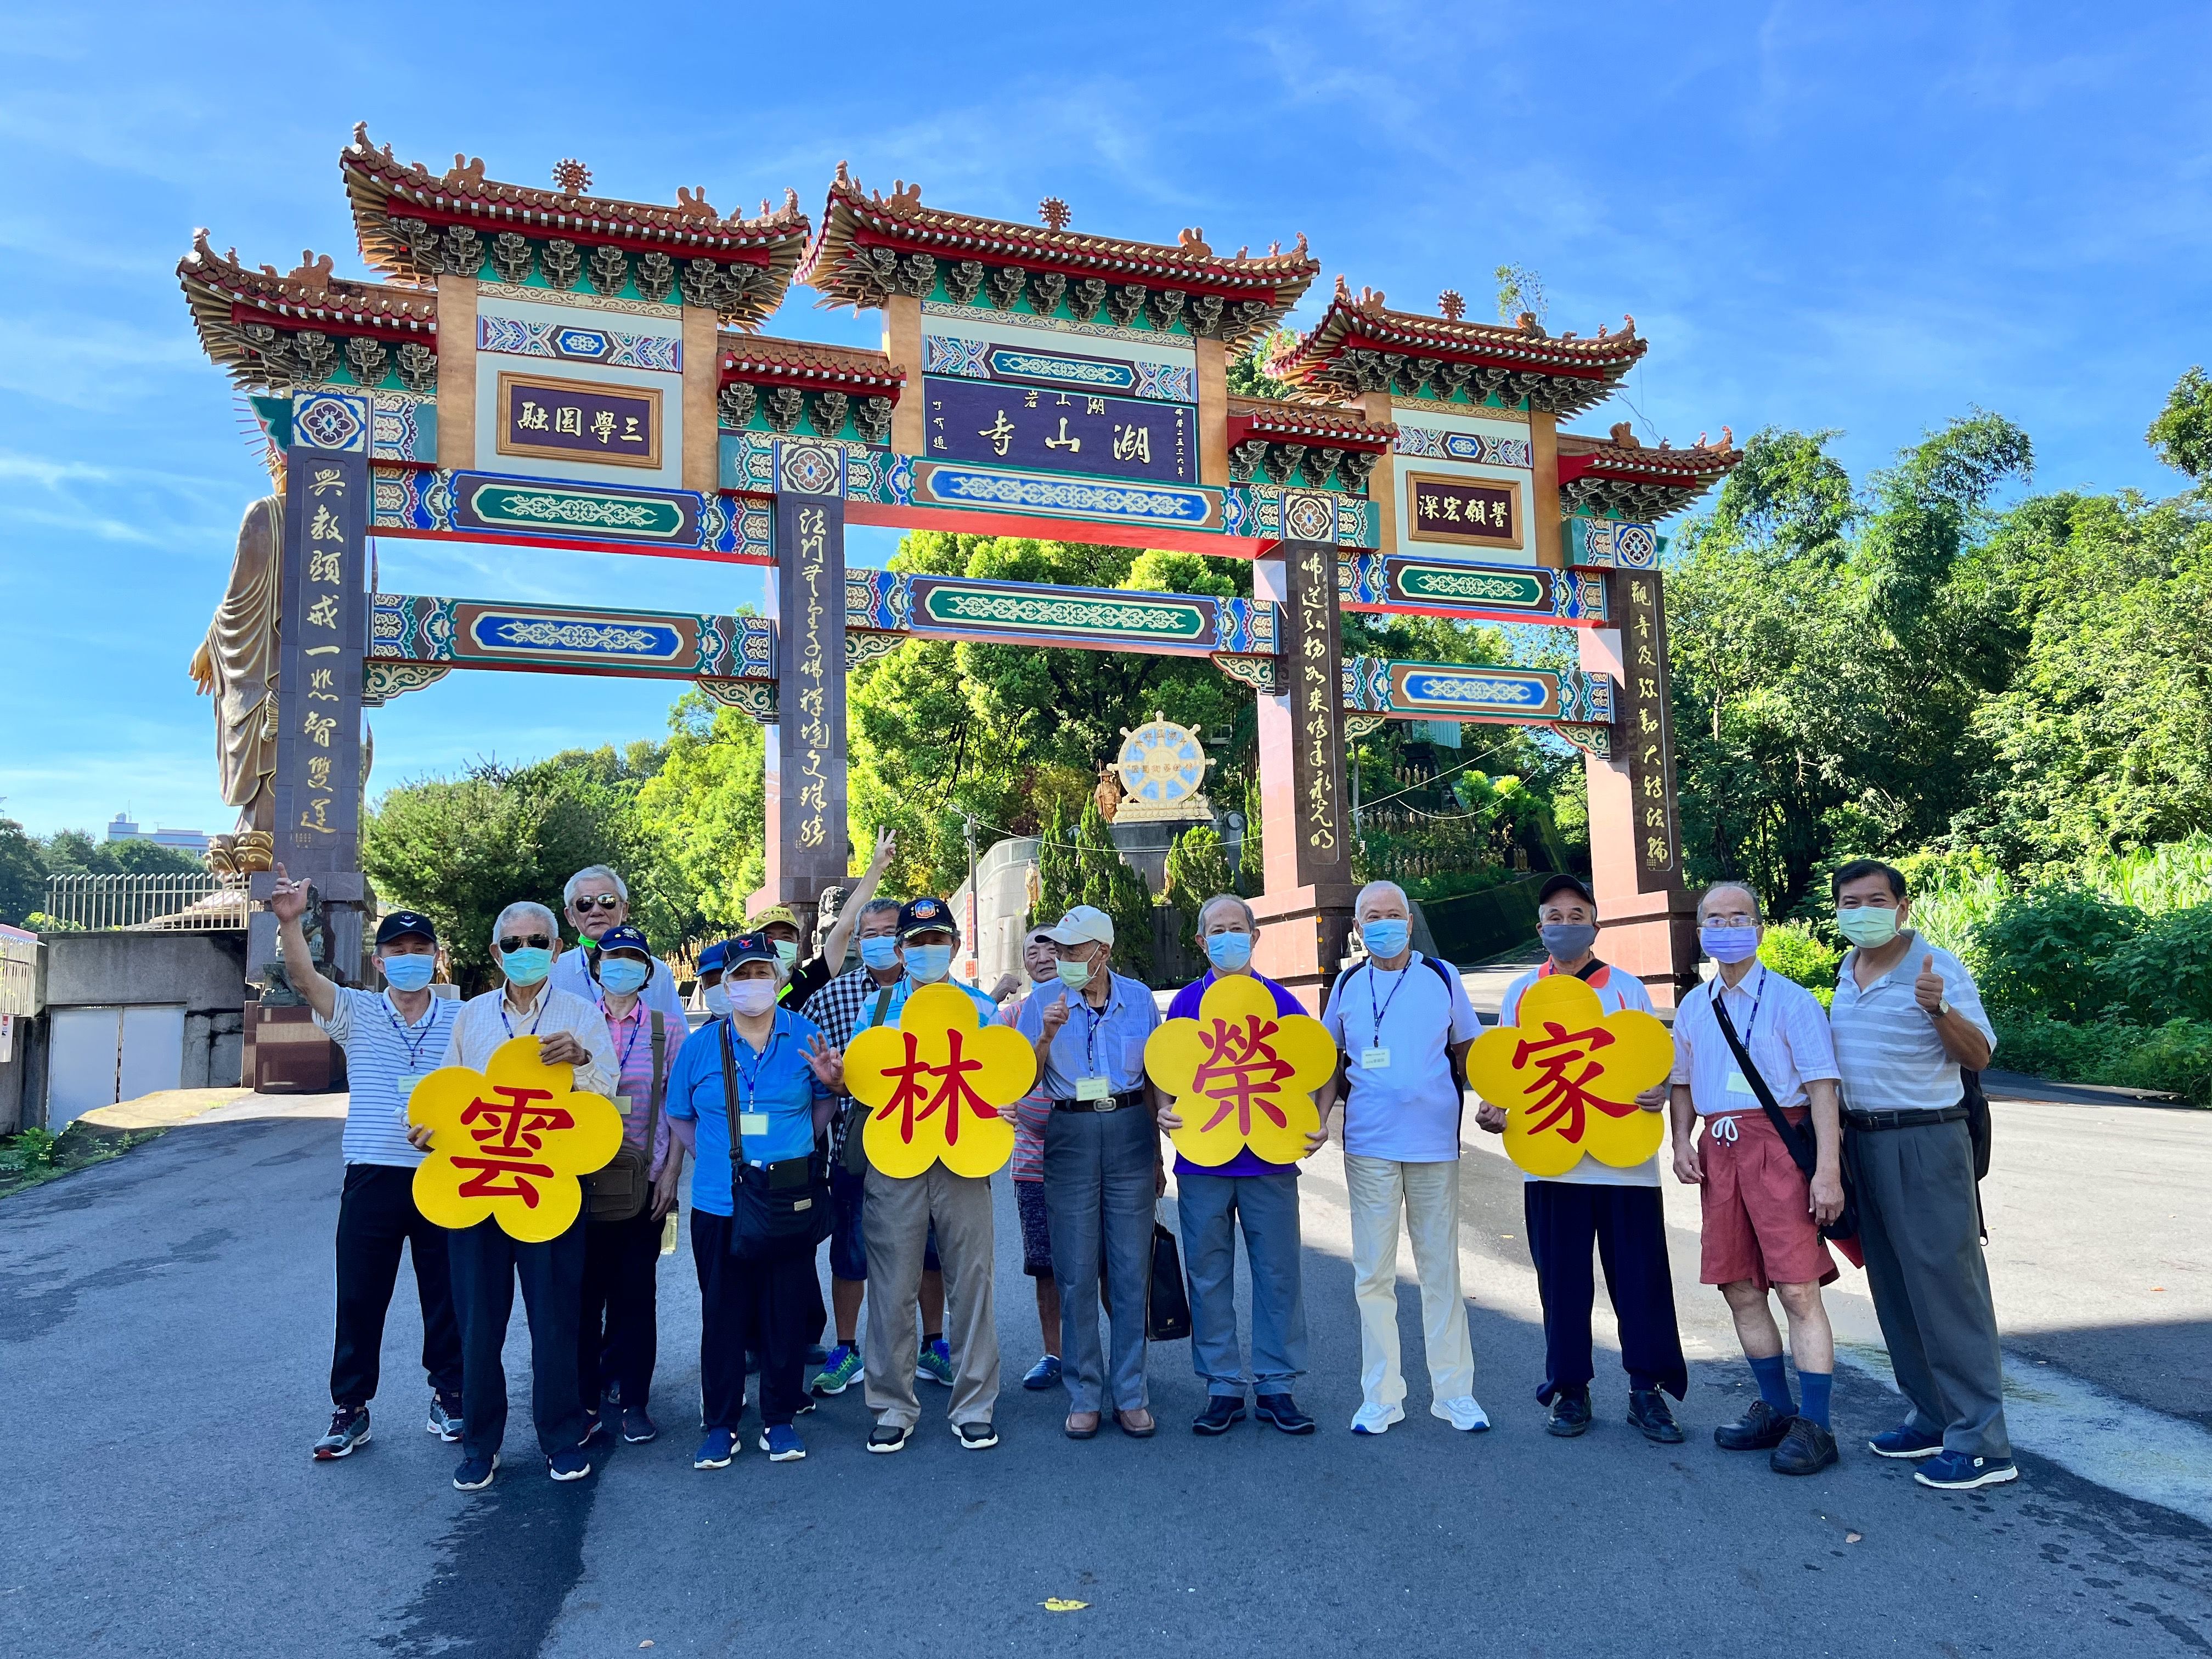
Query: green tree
column 1197, row 870
column 704, row 815
column 1060, row 870
column 1110, row 885
column 2182, row 434
column 22, row 874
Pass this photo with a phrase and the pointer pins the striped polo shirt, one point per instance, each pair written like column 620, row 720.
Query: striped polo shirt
column 384, row 1056
column 1886, row 1045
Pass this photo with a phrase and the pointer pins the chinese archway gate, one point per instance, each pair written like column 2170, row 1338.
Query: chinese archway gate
column 546, row 367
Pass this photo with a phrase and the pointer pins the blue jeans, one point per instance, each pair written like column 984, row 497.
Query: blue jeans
column 1098, row 1189
column 1211, row 1209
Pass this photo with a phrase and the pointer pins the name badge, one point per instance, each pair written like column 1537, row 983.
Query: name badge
column 752, row 1123
column 1094, row 1088
column 1737, row 1085
column 622, row 1104
column 1374, row 1060
column 405, row 1087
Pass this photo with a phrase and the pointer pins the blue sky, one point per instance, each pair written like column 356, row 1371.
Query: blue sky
column 1870, row 217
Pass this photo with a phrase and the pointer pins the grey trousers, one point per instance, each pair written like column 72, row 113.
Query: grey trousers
column 1930, row 1285
column 1211, row 1209
column 1099, row 1196
column 895, row 1218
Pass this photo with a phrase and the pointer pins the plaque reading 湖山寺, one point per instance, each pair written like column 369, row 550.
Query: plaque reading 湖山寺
column 578, row 421
column 1471, row 512
column 1033, row 427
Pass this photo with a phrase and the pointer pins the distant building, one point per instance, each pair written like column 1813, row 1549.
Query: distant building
column 120, row 828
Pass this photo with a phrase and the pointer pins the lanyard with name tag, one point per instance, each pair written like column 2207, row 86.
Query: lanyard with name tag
column 1736, row 1084
column 1374, row 1060
column 1094, row 1088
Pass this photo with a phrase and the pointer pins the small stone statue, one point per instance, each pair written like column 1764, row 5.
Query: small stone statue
column 1109, row 792
column 277, row 990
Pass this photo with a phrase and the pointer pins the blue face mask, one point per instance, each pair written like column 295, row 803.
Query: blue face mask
column 408, row 973
column 1728, row 944
column 929, row 963
column 1388, row 938
column 623, row 975
column 1229, row 951
column 526, row 966
column 880, row 952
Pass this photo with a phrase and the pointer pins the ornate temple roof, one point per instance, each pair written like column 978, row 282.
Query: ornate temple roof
column 1307, row 423
column 1625, row 478
column 242, row 314
column 843, row 264
column 1361, row 345
column 384, row 190
column 802, row 362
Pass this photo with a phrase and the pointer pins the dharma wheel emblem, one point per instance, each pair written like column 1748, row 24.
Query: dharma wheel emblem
column 1161, row 762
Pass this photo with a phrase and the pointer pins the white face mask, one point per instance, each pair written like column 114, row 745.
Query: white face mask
column 753, row 997
column 717, row 999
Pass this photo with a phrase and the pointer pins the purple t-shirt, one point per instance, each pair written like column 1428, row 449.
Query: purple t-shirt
column 1247, row 1162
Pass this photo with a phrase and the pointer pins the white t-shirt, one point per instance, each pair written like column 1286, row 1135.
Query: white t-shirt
column 1406, row 1108
column 1617, row 988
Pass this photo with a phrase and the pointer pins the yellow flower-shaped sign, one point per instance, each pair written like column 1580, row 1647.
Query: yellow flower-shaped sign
column 1568, row 1076
column 509, row 1142
column 1241, row 1075
column 940, row 1086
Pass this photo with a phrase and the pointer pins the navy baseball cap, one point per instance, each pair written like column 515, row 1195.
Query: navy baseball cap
column 625, row 937
column 749, row 947
column 400, row 923
column 926, row 915
column 710, row 959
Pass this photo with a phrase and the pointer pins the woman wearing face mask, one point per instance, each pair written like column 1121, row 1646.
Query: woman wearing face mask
column 1594, row 1204
column 784, row 1082
column 617, row 1343
column 1263, row 1197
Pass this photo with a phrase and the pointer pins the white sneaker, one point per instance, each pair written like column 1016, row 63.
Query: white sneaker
column 1376, row 1419
column 1463, row 1414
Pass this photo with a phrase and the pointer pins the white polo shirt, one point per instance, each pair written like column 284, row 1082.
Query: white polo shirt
column 1783, row 1029
column 1408, row 1110
column 1891, row 1058
column 1617, row 988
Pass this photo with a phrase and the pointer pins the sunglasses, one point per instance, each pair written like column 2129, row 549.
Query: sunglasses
column 534, row 941
column 604, row 901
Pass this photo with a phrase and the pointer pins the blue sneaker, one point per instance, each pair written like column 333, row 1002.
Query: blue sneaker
column 840, row 1371
column 445, row 1417
column 573, row 1464
column 716, row 1451
column 1951, row 1471
column 935, row 1362
column 349, row 1429
column 1043, row 1375
column 783, row 1444
column 1904, row 1442
column 475, row 1473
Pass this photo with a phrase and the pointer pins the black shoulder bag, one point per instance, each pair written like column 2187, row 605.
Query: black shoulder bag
column 1803, row 1144
column 779, row 1212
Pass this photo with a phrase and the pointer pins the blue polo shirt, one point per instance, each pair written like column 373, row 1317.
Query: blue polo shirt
column 1247, row 1162
column 987, row 1011
column 1108, row 1042
column 775, row 1090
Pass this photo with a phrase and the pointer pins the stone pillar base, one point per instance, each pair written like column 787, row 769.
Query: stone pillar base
column 1304, row 935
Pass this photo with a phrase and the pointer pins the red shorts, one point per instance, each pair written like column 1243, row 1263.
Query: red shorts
column 1759, row 1221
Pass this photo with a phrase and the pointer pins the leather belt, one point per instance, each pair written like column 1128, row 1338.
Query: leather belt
column 1905, row 1119
column 1130, row 1099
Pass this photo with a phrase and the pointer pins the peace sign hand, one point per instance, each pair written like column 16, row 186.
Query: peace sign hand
column 1928, row 988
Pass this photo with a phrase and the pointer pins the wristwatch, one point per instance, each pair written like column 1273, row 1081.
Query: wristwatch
column 1942, row 1006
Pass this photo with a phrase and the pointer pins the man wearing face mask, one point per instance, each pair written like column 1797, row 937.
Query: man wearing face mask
column 713, row 995
column 782, row 927
column 597, row 899
column 618, row 1343
column 899, row 1216
column 570, row 1031
column 1103, row 1172
column 1593, row 1203
column 1040, row 961
column 1762, row 1217
column 1403, row 1024
column 1263, row 1198
column 1907, row 1017
column 392, row 1039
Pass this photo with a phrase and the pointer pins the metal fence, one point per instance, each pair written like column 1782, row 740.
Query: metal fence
column 198, row 901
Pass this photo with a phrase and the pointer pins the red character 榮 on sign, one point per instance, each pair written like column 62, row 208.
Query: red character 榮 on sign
column 1241, row 1070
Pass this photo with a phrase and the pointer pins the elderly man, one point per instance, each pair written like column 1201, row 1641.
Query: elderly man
column 900, row 1216
column 1040, row 961
column 1103, row 1172
column 1907, row 1019
column 392, row 1039
column 1617, row 1210
column 1403, row 1024
column 1752, row 1038
column 597, row 899
column 780, row 924
column 1261, row 1196
column 570, row 1031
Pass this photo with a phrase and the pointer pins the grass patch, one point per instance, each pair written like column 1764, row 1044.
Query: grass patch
column 38, row 1156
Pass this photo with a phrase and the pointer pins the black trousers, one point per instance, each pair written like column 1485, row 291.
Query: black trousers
column 774, row 1307
column 486, row 1264
column 376, row 1215
column 618, row 1341
column 1630, row 1230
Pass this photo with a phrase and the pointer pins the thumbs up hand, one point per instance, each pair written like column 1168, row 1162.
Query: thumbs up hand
column 1928, row 988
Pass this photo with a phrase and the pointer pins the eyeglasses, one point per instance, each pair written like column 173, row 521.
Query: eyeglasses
column 605, row 902
column 534, row 941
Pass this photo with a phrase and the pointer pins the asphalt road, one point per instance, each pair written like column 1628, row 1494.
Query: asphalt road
column 164, row 1346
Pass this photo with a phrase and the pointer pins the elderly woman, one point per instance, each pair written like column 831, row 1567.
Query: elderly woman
column 782, row 1079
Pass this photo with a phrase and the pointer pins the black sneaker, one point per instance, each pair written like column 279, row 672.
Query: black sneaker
column 1759, row 1429
column 636, row 1427
column 975, row 1437
column 476, row 1473
column 1283, row 1412
column 594, row 1427
column 1806, row 1448
column 1570, row 1413
column 1222, row 1413
column 349, row 1429
column 885, row 1438
column 445, row 1417
column 1647, row 1410
column 573, row 1464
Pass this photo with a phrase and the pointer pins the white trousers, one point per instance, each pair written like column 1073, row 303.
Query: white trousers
column 1428, row 1195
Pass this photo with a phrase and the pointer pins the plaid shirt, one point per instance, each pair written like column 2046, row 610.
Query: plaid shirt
column 838, row 1008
